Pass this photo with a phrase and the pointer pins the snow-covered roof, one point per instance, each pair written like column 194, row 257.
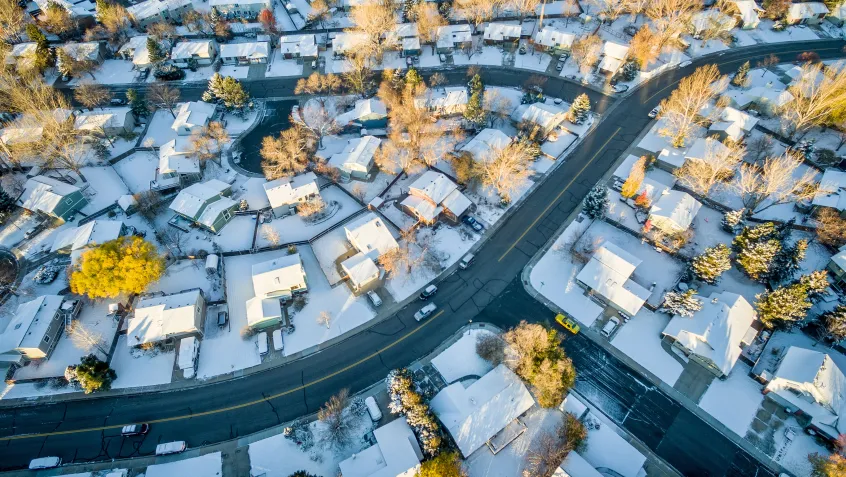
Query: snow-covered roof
column 401, row 32
column 799, row 11
column 552, row 37
column 839, row 258
column 303, row 45
column 775, row 96
column 547, row 116
column 281, row 274
column 19, row 50
column 702, row 148
column 474, row 414
column 607, row 273
column 501, row 31
column 451, row 99
column 126, row 202
column 456, row 202
column 191, row 200
column 213, row 210
column 77, row 8
column 290, row 190
column 395, row 454
column 832, row 190
column 839, row 11
column 30, row 322
column 175, row 156
column 188, row 49
column 486, row 143
column 363, row 108
column 357, row 155
column 217, row 3
column 369, row 233
column 101, row 119
column 615, row 50
column 576, row 466
column 44, row 193
column 748, row 12
column 252, row 49
column 89, row 50
column 676, row 206
column 743, row 119
column 449, row 35
column 261, row 309
column 424, row 209
column 712, row 20
column 16, row 134
column 433, row 185
column 360, row 268
column 94, row 232
column 717, row 330
column 158, row 317
column 193, row 114
column 150, row 8
column 610, row 64
column 136, row 47
column 347, row 41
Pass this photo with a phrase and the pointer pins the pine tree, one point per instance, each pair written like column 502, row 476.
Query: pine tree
column 474, row 112
column 596, row 202
column 227, row 90
column 91, row 374
column 413, row 78
column 756, row 259
column 44, row 56
column 476, row 84
column 155, row 51
column 7, row 202
column 711, row 263
column 579, row 109
column 214, row 18
column 630, row 70
column 732, row 221
column 681, row 303
column 786, row 262
column 137, row 103
column 301, row 473
column 834, row 323
column 741, row 78
column 788, row 305
column 751, row 235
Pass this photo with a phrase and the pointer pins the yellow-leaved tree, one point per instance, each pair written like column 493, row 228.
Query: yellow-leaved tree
column 123, row 265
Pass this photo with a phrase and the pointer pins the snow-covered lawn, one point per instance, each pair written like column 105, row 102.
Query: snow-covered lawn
column 537, row 61
column 741, row 391
column 159, row 131
column 236, row 235
column 110, row 72
column 136, row 368
column 12, row 234
column 282, row 67
column 707, row 231
column 209, row 465
column 371, row 188
column 30, row 390
column 640, row 339
column 186, row 274
column 765, row 34
column 327, row 249
column 104, row 188
column 460, row 359
column 793, row 455
column 138, row 170
column 490, row 55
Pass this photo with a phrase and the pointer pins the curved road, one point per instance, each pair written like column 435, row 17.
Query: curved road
column 490, row 291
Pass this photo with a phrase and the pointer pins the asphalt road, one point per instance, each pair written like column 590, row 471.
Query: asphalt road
column 489, row 291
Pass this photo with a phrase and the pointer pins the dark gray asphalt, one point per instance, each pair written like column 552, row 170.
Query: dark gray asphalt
column 489, row 291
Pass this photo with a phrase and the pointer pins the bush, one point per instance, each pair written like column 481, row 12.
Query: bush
column 247, row 332
column 491, row 348
column 91, row 374
column 168, row 73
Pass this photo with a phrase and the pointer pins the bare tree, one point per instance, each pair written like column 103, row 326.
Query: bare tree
column 438, row 79
column 338, row 427
column 92, row 95
column 610, row 9
column 776, row 181
column 547, row 453
column 645, row 47
column 477, row 11
column 635, row 178
column 669, row 17
column 71, row 62
column 174, row 238
column 161, row 30
column 12, row 20
column 497, row 105
column 358, row 75
column 287, row 155
column 491, row 348
column 321, row 11
column 759, row 147
column 115, row 20
column 58, row 20
column 682, row 110
column 507, row 170
column 87, row 339
column 525, row 7
column 161, row 95
column 819, row 96
column 202, row 146
column 271, row 234
column 585, row 52
column 149, row 202
column 831, row 228
column 374, row 19
column 311, row 207
column 317, row 120
column 319, row 87
column 717, row 165
column 324, row 319
column 207, row 143
column 766, row 63
column 429, row 21
column 412, row 254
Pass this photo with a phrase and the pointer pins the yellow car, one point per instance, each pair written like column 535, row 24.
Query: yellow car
column 567, row 323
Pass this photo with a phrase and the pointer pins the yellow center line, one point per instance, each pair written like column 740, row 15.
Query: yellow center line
column 559, row 195
column 237, row 406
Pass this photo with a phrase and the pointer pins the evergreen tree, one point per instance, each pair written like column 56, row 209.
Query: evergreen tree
column 154, row 49
column 681, row 303
column 786, row 262
column 596, row 202
column 476, row 84
column 756, row 259
column 579, row 109
column 91, row 374
column 834, row 323
column 413, row 78
column 630, row 70
column 137, row 103
column 214, row 18
column 474, row 112
column 751, row 235
column 228, row 90
column 44, row 56
column 741, row 78
column 711, row 263
column 732, row 221
column 7, row 202
column 788, row 305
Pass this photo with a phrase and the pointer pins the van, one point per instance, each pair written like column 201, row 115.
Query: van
column 45, row 463
column 262, row 343
column 428, row 292
column 374, row 298
column 466, row 261
column 174, row 447
column 373, row 409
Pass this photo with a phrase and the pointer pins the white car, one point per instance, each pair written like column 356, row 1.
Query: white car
column 374, row 298
column 425, row 312
column 171, row 448
column 609, row 327
column 654, row 112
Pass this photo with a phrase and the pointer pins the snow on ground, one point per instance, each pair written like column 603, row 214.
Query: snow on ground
column 704, row 47
column 735, row 281
column 765, row 34
column 185, row 274
column 744, row 394
column 793, row 455
column 12, row 234
column 110, row 72
column 707, row 231
column 537, row 61
column 369, row 189
column 429, row 58
column 138, row 170
column 104, row 188
column 281, row 67
column 30, row 390
column 490, row 55
column 209, row 465
column 253, row 190
column 347, row 310
column 640, row 339
column 460, row 359
column 159, row 131
column 136, row 368
column 235, row 236
column 327, row 249
column 236, row 124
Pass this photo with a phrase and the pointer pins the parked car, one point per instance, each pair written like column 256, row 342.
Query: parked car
column 117, row 102
column 45, row 463
column 373, row 409
column 654, row 112
column 278, row 344
column 522, row 49
column 425, row 312
column 466, row 261
column 261, row 342
column 442, row 57
column 135, row 430
column 684, row 64
column 428, row 292
column 374, row 298
column 559, row 66
column 473, row 223
column 609, row 327
column 567, row 323
column 621, row 88
column 171, row 448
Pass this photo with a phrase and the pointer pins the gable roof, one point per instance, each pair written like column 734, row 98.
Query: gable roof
column 615, row 50
column 449, row 35
column 395, row 454
column 500, row 31
column 44, row 193
column 434, row 186
column 358, row 152
column 281, row 273
column 252, row 49
column 289, row 190
column 175, row 156
column 832, row 190
column 158, row 317
column 547, row 116
column 363, row 108
column 371, row 234
column 193, row 114
column 360, row 268
column 102, row 119
column 94, row 232
column 30, row 322
column 552, row 37
column 607, row 273
column 677, row 206
column 188, row 49
column 484, row 144
column 304, row 45
column 191, row 200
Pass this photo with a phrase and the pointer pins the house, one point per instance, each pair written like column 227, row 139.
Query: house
column 106, row 121
column 371, row 238
column 135, row 50
column 809, row 383
column 748, row 12
column 670, row 158
column 432, row 195
column 81, row 11
column 674, row 212
column 247, row 53
column 811, row 13
column 832, row 191
column 192, row 116
column 715, row 335
column 177, row 164
column 837, row 15
column 206, row 204
column 454, row 37
column 148, row 12
column 765, row 99
column 21, row 54
column 613, row 57
column 166, row 319
column 76, row 240
column 732, row 124
column 299, row 47
column 704, row 149
column 347, row 41
column 184, row 53
column 553, row 40
column 368, row 113
column 837, row 267
column 474, row 414
column 484, row 145
column 356, row 160
column 547, row 117
column 404, row 37
column 606, row 277
column 285, row 193
column 33, row 331
column 91, row 51
column 711, row 21
column 451, row 101
column 396, row 453
column 51, row 197
column 501, row 33
column 274, row 281
column 241, row 9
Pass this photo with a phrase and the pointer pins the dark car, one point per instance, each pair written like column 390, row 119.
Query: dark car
column 428, row 292
column 473, row 223
column 135, row 430
column 117, row 102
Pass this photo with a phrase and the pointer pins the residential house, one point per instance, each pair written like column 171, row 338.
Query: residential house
column 396, row 453
column 247, row 53
column 106, row 121
column 454, row 37
column 433, row 195
column 704, row 149
column 20, row 54
column 760, row 98
column 135, row 50
column 748, row 13
column 166, row 319
column 606, row 277
column 837, row 15
column 347, row 41
column 367, row 114
column 177, row 165
column 811, row 13
column 286, row 193
column 837, row 268
column 832, row 191
column 484, row 145
column 299, row 47
column 241, row 9
column 274, row 281
column 371, row 238
column 809, row 383
column 192, row 116
column 732, row 124
column 547, row 117
column 356, row 159
column 51, row 197
column 553, row 40
column 715, row 335
column 91, row 51
column 76, row 240
column 148, row 12
column 711, row 21
column 204, row 52
column 81, row 11
column 405, row 38
column 206, row 204
column 33, row 331
column 475, row 413
column 450, row 101
column 613, row 57
column 502, row 34
column 673, row 212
